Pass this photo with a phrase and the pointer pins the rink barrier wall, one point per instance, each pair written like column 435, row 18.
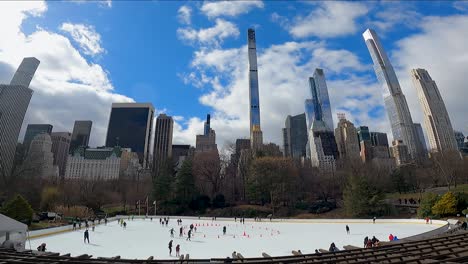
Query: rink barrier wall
column 60, row 229
column 444, row 225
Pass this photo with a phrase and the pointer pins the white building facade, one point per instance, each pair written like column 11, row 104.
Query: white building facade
column 94, row 164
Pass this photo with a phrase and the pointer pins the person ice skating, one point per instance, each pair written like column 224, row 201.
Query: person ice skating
column 79, row 224
column 181, row 230
column 172, row 232
column 86, row 236
column 333, row 248
column 42, row 247
column 189, row 234
column 125, row 225
column 224, row 230
column 74, row 225
column 177, row 250
column 373, row 220
column 93, row 228
column 347, row 229
column 170, row 247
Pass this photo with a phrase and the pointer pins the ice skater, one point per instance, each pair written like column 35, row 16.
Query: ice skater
column 373, row 220
column 347, row 229
column 170, row 247
column 125, row 225
column 172, row 232
column 86, row 236
column 74, row 225
column 177, row 250
column 189, row 234
column 224, row 230
column 181, row 230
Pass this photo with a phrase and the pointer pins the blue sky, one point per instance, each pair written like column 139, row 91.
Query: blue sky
column 189, row 59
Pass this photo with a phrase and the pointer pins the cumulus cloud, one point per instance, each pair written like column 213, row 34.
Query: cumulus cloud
column 283, row 80
column 461, row 5
column 184, row 14
column 229, row 8
column 65, row 82
column 440, row 48
column 86, row 37
column 209, row 36
column 328, row 19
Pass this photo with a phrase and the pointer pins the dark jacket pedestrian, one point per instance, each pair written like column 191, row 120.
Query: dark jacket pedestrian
column 170, row 247
column 347, row 229
column 86, row 236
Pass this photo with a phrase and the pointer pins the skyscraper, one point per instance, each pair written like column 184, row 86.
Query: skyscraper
column 321, row 140
column 346, row 140
column 207, row 141
column 14, row 101
column 130, row 126
column 60, row 149
column 421, row 141
column 33, row 130
column 399, row 151
column 162, row 141
column 81, row 134
column 40, row 159
column 379, row 139
column 256, row 135
column 207, row 126
column 394, row 99
column 295, row 136
column 436, row 119
column 459, row 139
column 363, row 133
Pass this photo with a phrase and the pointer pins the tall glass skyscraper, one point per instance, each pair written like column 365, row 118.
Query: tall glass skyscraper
column 295, row 136
column 14, row 101
column 322, row 146
column 436, row 119
column 81, row 134
column 256, row 136
column 394, row 99
column 130, row 126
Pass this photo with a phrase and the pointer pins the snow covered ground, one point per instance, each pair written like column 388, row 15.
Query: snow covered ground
column 144, row 238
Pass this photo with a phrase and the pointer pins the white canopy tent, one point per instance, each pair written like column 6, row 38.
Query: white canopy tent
column 12, row 233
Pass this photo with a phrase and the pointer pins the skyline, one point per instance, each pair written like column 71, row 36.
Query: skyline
column 225, row 88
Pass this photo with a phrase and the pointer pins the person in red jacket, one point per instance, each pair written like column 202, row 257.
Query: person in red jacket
column 390, row 237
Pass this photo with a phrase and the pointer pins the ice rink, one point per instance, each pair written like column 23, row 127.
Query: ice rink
column 144, row 238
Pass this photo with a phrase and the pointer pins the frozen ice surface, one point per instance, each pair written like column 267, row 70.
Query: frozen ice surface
column 144, row 238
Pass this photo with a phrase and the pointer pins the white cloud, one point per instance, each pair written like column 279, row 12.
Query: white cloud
column 66, row 86
column 184, row 14
column 283, row 79
column 229, row 8
column 389, row 15
column 86, row 36
column 461, row 5
column 103, row 3
column 328, row 19
column 209, row 36
column 440, row 48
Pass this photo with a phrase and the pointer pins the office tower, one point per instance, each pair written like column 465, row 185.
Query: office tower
column 309, row 112
column 295, row 136
column 363, row 133
column 179, row 154
column 25, row 72
column 60, row 149
column 256, row 136
column 81, row 134
column 207, row 125
column 14, row 101
column 421, row 141
column 379, row 139
column 459, row 139
column 436, row 119
column 40, row 159
column 162, row 141
column 130, row 126
column 207, row 141
column 346, row 140
column 130, row 166
column 33, row 130
column 323, row 150
column 94, row 164
column 394, row 99
column 400, row 152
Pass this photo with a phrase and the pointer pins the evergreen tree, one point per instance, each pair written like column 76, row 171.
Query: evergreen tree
column 362, row 200
column 185, row 183
column 162, row 182
column 18, row 208
column 427, row 202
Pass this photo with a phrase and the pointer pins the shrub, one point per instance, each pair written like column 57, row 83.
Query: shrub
column 447, row 205
column 18, row 208
column 427, row 202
